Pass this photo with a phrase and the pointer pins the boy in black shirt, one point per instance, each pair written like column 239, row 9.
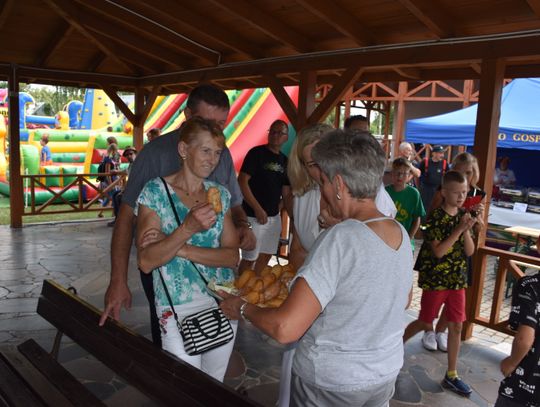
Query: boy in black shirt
column 521, row 385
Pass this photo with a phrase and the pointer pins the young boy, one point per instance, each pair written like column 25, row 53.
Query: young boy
column 45, row 155
column 442, row 267
column 407, row 199
column 521, row 385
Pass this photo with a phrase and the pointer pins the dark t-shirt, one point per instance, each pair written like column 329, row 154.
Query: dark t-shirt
column 450, row 271
column 432, row 175
column 268, row 172
column 523, row 385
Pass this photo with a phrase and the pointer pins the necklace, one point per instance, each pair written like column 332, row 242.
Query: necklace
column 185, row 192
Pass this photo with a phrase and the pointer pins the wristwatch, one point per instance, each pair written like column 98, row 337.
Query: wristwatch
column 242, row 309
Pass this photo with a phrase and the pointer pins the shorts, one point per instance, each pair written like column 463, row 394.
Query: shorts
column 267, row 236
column 432, row 301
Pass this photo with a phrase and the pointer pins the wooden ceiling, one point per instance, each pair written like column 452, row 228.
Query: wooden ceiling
column 239, row 43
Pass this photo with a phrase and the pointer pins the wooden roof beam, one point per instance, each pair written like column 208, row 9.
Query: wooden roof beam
column 99, row 58
column 147, row 64
column 283, row 98
column 535, row 6
column 266, row 23
column 58, row 7
column 171, row 14
column 339, row 89
column 56, row 41
column 426, row 55
column 5, row 10
column 411, row 73
column 140, row 44
column 73, row 77
column 339, row 18
column 147, row 28
column 431, row 15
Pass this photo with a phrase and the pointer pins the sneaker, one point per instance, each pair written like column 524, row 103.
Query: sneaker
column 111, row 223
column 457, row 385
column 429, row 340
column 442, row 341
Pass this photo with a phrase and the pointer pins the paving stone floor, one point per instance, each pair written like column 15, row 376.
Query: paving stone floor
column 77, row 254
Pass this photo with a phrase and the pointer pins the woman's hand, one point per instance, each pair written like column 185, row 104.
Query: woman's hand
column 508, row 365
column 230, row 305
column 200, row 217
column 152, row 235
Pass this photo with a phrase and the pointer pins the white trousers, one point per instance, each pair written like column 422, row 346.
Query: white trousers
column 213, row 362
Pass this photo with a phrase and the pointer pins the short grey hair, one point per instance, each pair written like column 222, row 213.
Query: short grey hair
column 355, row 155
column 405, row 145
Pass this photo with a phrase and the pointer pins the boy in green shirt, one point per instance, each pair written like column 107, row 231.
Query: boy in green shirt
column 407, row 199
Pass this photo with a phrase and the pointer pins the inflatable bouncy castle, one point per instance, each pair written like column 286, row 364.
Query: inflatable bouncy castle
column 78, row 134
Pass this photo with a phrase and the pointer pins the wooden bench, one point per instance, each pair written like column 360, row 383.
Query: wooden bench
column 29, row 376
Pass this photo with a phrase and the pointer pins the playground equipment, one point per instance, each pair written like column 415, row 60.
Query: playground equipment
column 80, row 150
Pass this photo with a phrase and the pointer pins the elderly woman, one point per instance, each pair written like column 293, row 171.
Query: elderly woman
column 204, row 243
column 347, row 303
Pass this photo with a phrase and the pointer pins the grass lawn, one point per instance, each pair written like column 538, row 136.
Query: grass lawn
column 5, row 214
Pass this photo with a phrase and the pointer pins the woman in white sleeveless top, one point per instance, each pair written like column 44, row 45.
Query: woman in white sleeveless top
column 347, row 303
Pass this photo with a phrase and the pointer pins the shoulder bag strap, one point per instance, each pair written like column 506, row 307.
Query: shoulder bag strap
column 170, row 300
column 179, row 223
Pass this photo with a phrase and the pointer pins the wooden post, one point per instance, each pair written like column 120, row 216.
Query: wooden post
column 138, row 126
column 16, row 199
column 485, row 150
column 306, row 97
column 400, row 121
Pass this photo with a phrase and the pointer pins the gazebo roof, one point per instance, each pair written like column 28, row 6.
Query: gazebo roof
column 240, row 43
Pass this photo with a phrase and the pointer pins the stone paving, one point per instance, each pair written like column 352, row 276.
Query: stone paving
column 77, row 254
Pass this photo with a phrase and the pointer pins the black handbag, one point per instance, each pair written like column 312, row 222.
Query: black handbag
column 204, row 330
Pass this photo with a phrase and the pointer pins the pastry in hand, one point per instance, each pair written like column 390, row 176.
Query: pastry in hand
column 214, row 198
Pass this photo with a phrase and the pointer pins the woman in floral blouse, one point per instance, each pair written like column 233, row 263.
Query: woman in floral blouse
column 206, row 238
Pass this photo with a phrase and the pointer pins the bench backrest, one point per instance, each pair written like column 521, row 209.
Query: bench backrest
column 152, row 371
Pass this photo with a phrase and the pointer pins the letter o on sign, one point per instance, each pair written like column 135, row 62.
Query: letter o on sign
column 502, row 136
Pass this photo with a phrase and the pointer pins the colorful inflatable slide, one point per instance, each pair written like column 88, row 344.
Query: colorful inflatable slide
column 80, row 149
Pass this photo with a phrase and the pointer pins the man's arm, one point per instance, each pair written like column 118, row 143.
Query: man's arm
column 287, row 196
column 118, row 294
column 260, row 213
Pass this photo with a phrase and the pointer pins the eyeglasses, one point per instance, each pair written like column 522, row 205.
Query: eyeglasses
column 277, row 132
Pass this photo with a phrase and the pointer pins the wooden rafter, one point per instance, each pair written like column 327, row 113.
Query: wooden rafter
column 339, row 18
column 134, row 41
column 430, row 55
column 172, row 14
column 283, row 98
column 535, row 6
column 120, row 104
column 267, row 23
column 431, row 15
column 57, row 6
column 411, row 73
column 336, row 94
column 144, row 29
column 55, row 42
column 147, row 64
column 97, row 60
column 5, row 9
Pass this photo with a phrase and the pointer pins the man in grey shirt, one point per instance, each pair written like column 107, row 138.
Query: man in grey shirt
column 160, row 158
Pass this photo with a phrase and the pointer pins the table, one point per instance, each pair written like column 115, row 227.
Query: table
column 508, row 217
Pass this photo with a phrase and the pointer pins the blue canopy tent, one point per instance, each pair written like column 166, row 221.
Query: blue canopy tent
column 519, row 125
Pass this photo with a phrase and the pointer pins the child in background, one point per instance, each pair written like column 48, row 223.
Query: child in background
column 45, row 155
column 442, row 267
column 521, row 385
column 112, row 166
column 407, row 199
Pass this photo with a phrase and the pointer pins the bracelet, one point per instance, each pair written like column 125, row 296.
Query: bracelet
column 246, row 223
column 242, row 310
